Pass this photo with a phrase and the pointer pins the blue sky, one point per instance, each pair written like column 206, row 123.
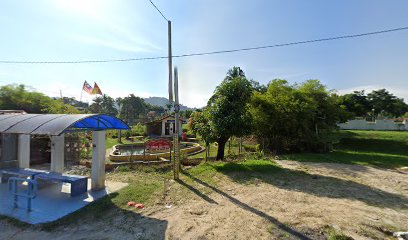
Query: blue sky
column 58, row 30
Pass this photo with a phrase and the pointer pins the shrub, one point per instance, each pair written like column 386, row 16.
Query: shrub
column 251, row 148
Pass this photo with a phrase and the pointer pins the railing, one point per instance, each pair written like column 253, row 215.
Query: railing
column 30, row 193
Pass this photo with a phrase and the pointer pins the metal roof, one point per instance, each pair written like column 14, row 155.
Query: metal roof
column 55, row 124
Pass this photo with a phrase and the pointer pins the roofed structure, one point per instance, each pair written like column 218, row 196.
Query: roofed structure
column 56, row 124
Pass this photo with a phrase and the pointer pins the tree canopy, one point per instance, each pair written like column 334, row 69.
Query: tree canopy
column 299, row 117
column 104, row 104
column 130, row 108
column 378, row 102
column 228, row 110
column 17, row 97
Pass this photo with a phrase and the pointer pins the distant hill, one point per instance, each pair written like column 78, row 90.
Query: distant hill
column 161, row 101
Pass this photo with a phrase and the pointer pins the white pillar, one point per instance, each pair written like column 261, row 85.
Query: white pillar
column 98, row 160
column 23, row 154
column 163, row 128
column 57, row 153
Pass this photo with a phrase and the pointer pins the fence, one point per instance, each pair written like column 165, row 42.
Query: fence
column 385, row 124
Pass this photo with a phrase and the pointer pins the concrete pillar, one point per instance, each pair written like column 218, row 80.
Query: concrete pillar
column 57, row 153
column 163, row 128
column 98, row 160
column 23, row 154
column 9, row 147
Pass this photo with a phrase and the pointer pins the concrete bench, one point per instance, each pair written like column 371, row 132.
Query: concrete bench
column 79, row 184
column 19, row 172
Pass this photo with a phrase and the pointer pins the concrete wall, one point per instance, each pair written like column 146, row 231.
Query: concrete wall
column 386, row 124
column 151, row 157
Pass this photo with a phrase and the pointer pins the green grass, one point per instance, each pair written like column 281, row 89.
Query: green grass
column 387, row 149
column 214, row 149
column 242, row 171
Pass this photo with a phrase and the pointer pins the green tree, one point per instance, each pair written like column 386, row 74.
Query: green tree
column 130, row 108
column 17, row 97
column 356, row 103
column 228, row 109
column 104, row 104
column 386, row 104
column 293, row 118
column 200, row 124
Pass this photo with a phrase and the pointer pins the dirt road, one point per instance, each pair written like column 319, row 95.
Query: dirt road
column 302, row 202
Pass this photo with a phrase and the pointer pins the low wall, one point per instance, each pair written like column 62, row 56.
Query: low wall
column 150, row 156
column 386, row 124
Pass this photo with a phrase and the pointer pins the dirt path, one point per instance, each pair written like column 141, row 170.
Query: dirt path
column 298, row 203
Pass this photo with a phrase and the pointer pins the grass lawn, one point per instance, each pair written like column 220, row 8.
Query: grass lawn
column 387, row 149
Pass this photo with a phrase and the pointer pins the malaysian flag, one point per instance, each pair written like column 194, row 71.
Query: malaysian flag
column 87, row 88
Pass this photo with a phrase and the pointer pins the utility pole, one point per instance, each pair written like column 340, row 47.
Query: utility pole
column 177, row 130
column 170, row 60
column 176, row 144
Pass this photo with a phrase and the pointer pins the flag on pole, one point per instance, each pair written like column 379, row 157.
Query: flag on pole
column 96, row 89
column 87, row 88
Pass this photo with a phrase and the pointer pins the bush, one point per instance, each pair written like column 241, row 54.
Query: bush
column 138, row 130
column 127, row 134
column 251, row 148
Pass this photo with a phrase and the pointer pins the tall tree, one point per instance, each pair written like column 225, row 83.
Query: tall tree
column 356, row 103
column 104, row 104
column 386, row 104
column 131, row 107
column 228, row 108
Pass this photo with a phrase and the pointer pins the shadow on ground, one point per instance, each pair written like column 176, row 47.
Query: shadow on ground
column 282, row 227
column 101, row 219
column 317, row 185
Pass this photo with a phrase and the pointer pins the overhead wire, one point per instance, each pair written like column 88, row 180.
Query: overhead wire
column 158, row 10
column 211, row 52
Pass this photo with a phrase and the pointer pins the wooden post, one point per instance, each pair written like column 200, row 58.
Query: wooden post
column 206, row 152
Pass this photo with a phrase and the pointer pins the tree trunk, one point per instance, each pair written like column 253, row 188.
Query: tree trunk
column 221, row 147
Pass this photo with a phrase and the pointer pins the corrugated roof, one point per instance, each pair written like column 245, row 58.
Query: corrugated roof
column 55, row 124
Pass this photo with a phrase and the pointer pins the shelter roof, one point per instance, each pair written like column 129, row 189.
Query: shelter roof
column 56, row 124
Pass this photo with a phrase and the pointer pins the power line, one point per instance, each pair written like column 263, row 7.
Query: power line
column 294, row 43
column 209, row 53
column 158, row 10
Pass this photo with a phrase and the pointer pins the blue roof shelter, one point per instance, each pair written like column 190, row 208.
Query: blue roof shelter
column 16, row 131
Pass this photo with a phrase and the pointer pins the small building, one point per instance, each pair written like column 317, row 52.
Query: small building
column 164, row 127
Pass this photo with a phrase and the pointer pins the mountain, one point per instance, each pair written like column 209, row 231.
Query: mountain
column 162, row 102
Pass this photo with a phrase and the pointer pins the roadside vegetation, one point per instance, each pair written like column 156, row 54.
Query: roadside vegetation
column 387, row 149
